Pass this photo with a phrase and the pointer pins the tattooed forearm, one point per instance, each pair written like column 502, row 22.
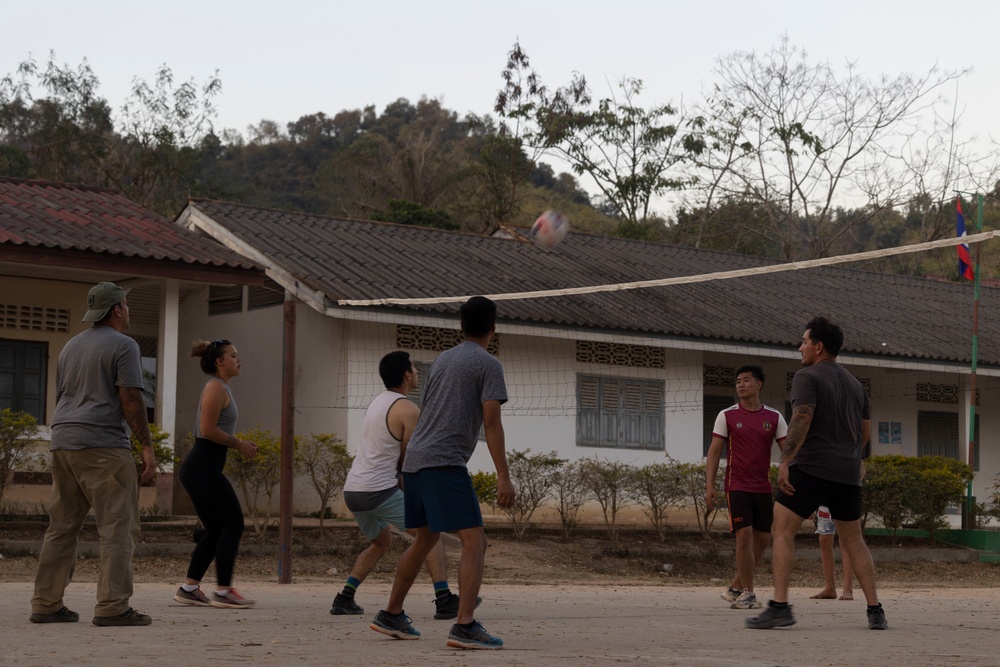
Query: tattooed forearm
column 134, row 409
column 797, row 430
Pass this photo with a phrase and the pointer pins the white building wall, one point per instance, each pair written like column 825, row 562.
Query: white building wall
column 337, row 376
column 257, row 336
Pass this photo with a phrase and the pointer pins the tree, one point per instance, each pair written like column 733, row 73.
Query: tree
column 412, row 153
column 152, row 153
column 257, row 478
column 324, row 459
column 156, row 160
column 17, row 431
column 659, row 486
column 694, row 479
column 485, row 486
column 941, row 482
column 533, row 476
column 570, row 490
column 405, row 212
column 612, row 484
column 799, row 138
column 731, row 225
column 162, row 454
column 888, row 488
column 510, row 154
column 631, row 153
column 63, row 135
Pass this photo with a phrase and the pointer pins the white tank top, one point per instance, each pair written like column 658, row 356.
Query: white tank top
column 374, row 467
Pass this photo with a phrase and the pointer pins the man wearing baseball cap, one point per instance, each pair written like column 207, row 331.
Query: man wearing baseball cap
column 98, row 390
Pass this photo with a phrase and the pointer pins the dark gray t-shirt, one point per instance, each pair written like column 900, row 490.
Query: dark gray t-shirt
column 451, row 414
column 91, row 367
column 832, row 448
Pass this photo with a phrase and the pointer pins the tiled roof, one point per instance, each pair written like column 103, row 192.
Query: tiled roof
column 61, row 216
column 881, row 314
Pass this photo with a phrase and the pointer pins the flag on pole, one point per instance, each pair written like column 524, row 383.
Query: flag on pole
column 964, row 257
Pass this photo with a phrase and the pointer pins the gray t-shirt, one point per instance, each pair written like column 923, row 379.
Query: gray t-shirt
column 832, row 448
column 91, row 367
column 451, row 414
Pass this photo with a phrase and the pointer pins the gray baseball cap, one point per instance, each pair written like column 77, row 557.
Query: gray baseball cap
column 101, row 298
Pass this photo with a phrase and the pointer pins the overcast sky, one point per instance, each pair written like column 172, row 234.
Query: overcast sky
column 280, row 61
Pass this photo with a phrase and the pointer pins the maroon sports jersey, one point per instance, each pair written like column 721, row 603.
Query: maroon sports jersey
column 750, row 436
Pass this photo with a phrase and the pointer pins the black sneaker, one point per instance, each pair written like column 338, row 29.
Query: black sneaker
column 394, row 625
column 475, row 637
column 876, row 618
column 447, row 607
column 129, row 617
column 64, row 615
column 345, row 606
column 772, row 617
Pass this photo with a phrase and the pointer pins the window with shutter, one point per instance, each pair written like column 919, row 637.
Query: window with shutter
column 615, row 412
column 22, row 376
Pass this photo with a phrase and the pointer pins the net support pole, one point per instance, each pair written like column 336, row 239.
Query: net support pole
column 968, row 522
column 287, row 462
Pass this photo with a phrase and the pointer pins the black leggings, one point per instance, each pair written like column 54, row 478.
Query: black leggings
column 218, row 508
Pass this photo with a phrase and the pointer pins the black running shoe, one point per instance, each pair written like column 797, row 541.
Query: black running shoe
column 394, row 625
column 476, row 637
column 876, row 618
column 447, row 607
column 772, row 617
column 343, row 606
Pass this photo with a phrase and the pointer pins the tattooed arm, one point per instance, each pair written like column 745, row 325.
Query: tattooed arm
column 801, row 420
column 134, row 409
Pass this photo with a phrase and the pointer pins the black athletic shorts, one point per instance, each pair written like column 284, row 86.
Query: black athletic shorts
column 844, row 500
column 747, row 510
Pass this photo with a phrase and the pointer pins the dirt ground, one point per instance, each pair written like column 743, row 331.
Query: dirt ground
column 543, row 556
column 541, row 625
column 583, row 601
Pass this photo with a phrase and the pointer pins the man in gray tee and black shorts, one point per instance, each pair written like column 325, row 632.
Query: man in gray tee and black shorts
column 821, row 465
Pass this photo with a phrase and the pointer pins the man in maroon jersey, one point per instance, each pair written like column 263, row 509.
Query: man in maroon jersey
column 749, row 429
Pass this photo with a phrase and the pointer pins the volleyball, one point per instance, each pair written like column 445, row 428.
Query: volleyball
column 550, row 228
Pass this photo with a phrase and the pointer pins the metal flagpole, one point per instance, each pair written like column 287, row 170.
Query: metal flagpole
column 972, row 375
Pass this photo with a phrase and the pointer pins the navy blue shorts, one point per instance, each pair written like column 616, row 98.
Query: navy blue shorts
column 750, row 510
column 443, row 499
column 844, row 500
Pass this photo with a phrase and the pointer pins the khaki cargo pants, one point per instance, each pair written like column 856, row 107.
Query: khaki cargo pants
column 106, row 480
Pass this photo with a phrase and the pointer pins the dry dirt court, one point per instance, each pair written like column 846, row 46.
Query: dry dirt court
column 541, row 625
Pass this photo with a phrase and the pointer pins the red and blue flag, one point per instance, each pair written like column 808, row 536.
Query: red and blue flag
column 964, row 257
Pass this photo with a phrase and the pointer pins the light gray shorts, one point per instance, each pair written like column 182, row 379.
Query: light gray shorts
column 373, row 522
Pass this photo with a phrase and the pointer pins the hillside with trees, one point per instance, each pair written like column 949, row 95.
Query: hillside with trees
column 786, row 158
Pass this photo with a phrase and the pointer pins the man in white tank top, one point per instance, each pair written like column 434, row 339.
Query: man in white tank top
column 372, row 491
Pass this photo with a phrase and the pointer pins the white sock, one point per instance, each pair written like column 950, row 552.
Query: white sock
column 222, row 591
column 189, row 588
